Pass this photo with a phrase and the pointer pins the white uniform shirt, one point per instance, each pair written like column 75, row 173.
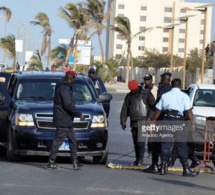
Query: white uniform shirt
column 174, row 100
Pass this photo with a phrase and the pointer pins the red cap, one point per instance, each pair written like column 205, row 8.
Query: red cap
column 132, row 85
column 72, row 73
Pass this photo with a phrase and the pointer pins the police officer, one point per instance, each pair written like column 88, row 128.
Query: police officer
column 136, row 105
column 92, row 75
column 64, row 113
column 164, row 86
column 174, row 103
column 148, row 84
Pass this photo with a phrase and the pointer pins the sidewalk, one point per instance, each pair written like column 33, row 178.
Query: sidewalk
column 119, row 87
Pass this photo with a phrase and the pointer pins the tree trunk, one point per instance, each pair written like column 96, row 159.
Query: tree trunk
column 70, row 50
column 102, row 50
column 75, row 53
column 132, row 66
column 128, row 61
column 49, row 50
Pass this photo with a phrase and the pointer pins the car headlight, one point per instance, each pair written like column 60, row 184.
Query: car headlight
column 200, row 120
column 24, row 120
column 99, row 121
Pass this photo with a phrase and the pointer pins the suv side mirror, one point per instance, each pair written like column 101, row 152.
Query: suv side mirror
column 104, row 97
column 2, row 98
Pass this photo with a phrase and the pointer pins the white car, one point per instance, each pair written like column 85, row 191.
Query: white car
column 202, row 98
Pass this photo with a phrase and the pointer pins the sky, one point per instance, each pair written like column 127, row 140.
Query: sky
column 24, row 11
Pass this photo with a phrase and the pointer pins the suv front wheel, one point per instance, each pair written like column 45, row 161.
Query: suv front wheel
column 11, row 156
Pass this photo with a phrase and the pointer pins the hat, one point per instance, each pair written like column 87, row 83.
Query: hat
column 132, row 85
column 91, row 70
column 166, row 74
column 72, row 73
column 147, row 77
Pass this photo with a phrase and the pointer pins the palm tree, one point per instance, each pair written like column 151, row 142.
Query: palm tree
column 7, row 12
column 123, row 27
column 96, row 10
column 59, row 53
column 43, row 21
column 75, row 15
column 36, row 62
column 8, row 45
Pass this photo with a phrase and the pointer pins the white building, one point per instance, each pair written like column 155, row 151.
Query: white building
column 152, row 13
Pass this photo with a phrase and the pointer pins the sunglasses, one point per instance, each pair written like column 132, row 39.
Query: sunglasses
column 91, row 72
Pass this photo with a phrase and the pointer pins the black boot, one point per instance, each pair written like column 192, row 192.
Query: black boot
column 52, row 165
column 187, row 172
column 163, row 169
column 76, row 164
column 195, row 163
column 171, row 162
column 140, row 161
column 153, row 168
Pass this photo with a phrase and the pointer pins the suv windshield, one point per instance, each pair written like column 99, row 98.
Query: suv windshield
column 44, row 89
column 204, row 98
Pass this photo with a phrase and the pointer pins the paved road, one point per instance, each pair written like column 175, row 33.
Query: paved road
column 31, row 177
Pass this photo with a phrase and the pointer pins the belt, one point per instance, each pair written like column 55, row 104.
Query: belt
column 174, row 116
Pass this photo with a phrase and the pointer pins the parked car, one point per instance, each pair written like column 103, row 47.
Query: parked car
column 202, row 98
column 26, row 120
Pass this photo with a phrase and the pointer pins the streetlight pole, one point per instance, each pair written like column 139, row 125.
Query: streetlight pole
column 202, row 8
column 185, row 19
column 170, row 27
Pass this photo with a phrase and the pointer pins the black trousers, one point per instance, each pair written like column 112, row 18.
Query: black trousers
column 139, row 147
column 61, row 134
column 180, row 143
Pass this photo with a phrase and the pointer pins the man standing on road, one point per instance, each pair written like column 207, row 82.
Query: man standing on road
column 174, row 109
column 136, row 105
column 64, row 113
column 149, row 85
column 164, row 87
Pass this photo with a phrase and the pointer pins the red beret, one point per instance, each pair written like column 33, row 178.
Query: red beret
column 72, row 73
column 132, row 85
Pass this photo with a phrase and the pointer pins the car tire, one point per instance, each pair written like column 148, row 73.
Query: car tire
column 101, row 159
column 11, row 156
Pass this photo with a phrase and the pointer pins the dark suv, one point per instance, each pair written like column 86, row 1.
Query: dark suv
column 26, row 120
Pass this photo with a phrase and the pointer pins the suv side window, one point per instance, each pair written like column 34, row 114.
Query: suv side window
column 12, row 85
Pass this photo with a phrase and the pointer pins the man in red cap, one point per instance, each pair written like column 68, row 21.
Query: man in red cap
column 63, row 115
column 137, row 105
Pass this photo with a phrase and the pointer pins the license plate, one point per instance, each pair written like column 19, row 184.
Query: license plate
column 64, row 147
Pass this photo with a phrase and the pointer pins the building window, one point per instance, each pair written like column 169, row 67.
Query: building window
column 164, row 49
column 165, row 39
column 118, row 56
column 201, row 32
column 167, row 20
column 121, row 15
column 181, row 40
column 167, row 9
column 118, row 46
column 181, row 30
column 165, row 30
column 140, row 58
column 202, row 21
column 121, row 6
column 141, row 38
column 143, row 8
column 183, row 11
column 201, row 41
column 142, row 18
column 141, row 48
column 180, row 50
column 142, row 28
